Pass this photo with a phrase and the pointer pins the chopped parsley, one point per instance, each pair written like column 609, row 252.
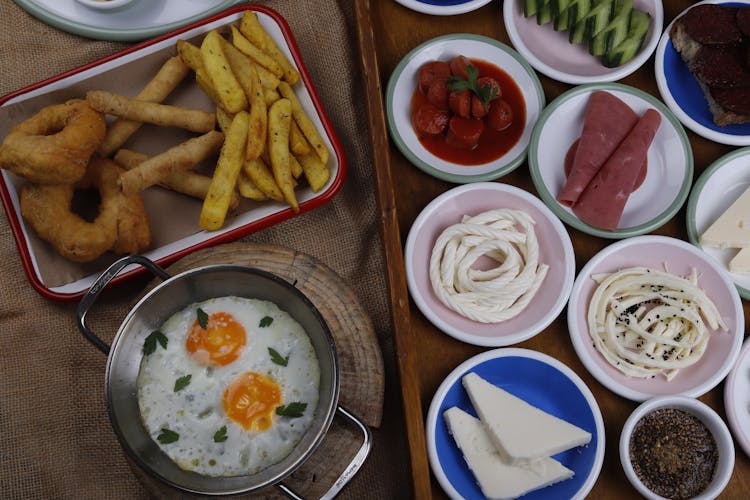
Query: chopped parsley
column 485, row 93
column 221, row 435
column 266, row 321
column 293, row 410
column 182, row 382
column 149, row 345
column 277, row 358
column 167, row 436
column 202, row 318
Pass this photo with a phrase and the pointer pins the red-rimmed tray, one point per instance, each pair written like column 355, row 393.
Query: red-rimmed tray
column 127, row 72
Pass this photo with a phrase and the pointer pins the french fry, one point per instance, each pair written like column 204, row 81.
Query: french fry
column 216, row 204
column 194, row 120
column 305, row 124
column 157, row 89
column 258, row 172
column 271, row 96
column 248, row 189
column 257, row 132
column 279, row 121
column 255, row 53
column 295, row 167
column 252, row 29
column 181, row 157
column 242, row 67
column 223, row 118
column 297, row 142
column 184, row 181
column 268, row 79
column 190, row 55
column 219, row 72
column 316, row 173
column 201, row 78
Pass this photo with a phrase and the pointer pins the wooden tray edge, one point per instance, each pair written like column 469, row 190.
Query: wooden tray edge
column 393, row 252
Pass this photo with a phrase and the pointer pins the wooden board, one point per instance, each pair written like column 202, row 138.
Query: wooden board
column 386, row 32
column 361, row 369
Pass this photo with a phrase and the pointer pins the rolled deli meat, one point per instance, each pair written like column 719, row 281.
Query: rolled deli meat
column 606, row 123
column 602, row 202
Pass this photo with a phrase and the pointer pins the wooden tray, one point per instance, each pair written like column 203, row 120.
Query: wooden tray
column 386, row 32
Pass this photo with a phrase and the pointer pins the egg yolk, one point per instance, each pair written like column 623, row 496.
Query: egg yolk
column 250, row 401
column 220, row 343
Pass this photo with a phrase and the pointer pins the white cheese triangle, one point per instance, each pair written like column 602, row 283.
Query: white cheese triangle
column 741, row 262
column 732, row 228
column 496, row 477
column 520, row 431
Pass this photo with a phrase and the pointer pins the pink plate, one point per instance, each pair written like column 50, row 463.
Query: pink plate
column 680, row 258
column 555, row 250
column 171, row 215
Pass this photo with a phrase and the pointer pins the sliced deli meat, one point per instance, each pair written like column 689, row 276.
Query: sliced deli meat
column 602, row 202
column 606, row 123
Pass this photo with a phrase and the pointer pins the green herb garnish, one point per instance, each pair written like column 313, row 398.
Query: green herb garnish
column 266, row 321
column 149, row 345
column 182, row 382
column 202, row 318
column 485, row 93
column 221, row 435
column 293, row 410
column 277, row 358
column 167, row 436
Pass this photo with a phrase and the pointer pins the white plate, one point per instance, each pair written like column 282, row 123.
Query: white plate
column 737, row 399
column 555, row 250
column 137, row 20
column 541, row 381
column 443, row 7
column 680, row 90
column 714, row 191
column 670, row 160
column 550, row 52
column 681, row 258
column 401, row 87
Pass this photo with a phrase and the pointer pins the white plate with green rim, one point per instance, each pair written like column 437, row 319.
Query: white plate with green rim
column 714, row 191
column 138, row 20
column 403, row 82
column 670, row 160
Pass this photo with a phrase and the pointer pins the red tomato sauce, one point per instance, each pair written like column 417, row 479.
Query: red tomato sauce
column 492, row 144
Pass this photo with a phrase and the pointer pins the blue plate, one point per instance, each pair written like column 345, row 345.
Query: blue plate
column 443, row 7
column 683, row 95
column 543, row 382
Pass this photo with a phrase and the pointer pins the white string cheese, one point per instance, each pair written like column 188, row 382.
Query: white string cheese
column 647, row 322
column 493, row 295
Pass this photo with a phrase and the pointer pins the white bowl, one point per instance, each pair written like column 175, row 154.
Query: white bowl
column 709, row 417
column 437, row 9
column 550, row 53
column 737, row 399
column 104, row 4
column 681, row 258
column 555, row 250
column 401, row 87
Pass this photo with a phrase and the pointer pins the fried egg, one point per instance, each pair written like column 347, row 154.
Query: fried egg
column 228, row 386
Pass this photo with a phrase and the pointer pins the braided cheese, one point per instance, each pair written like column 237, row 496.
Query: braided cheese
column 493, row 295
column 647, row 322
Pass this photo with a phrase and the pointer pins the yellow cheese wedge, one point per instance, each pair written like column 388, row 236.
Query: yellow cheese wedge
column 732, row 228
column 496, row 477
column 520, row 431
column 741, row 262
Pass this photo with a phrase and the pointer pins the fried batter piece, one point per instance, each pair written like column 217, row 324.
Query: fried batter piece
column 121, row 225
column 54, row 145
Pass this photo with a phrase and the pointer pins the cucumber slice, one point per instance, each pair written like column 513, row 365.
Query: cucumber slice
column 530, row 7
column 615, row 32
column 544, row 15
column 577, row 12
column 560, row 14
column 626, row 50
column 598, row 18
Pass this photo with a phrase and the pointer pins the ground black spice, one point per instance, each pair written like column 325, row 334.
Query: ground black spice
column 673, row 453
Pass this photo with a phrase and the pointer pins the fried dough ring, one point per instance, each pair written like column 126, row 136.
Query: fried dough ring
column 54, row 145
column 121, row 226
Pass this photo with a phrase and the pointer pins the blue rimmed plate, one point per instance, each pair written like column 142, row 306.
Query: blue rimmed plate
column 670, row 160
column 541, row 381
column 443, row 7
column 714, row 191
column 683, row 95
column 401, row 87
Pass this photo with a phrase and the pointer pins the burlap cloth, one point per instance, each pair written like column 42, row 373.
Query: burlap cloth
column 55, row 437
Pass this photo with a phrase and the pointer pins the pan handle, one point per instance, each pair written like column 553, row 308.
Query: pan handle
column 354, row 465
column 88, row 300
